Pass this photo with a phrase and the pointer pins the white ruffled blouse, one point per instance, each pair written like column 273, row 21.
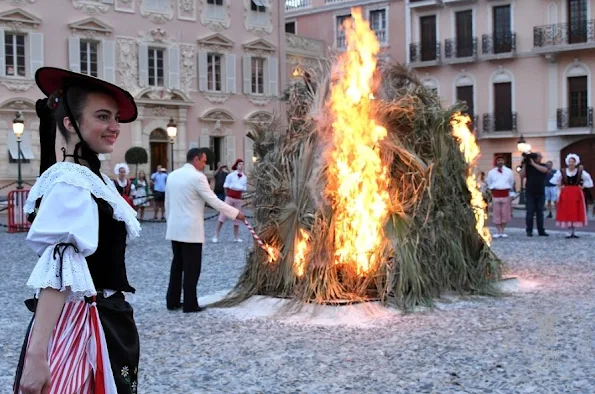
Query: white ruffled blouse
column 557, row 177
column 69, row 214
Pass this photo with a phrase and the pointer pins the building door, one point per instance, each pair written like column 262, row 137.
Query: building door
column 158, row 143
column 503, row 106
column 428, row 38
column 577, row 21
column 464, row 28
column 577, row 102
column 585, row 149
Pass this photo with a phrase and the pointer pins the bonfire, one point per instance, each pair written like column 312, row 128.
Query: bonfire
column 366, row 191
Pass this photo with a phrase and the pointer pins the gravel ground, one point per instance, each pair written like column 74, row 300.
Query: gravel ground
column 538, row 340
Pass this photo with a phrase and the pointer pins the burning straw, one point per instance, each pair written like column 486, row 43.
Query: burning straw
column 365, row 198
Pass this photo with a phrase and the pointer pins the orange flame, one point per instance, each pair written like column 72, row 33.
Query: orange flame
column 272, row 252
column 299, row 256
column 470, row 149
column 357, row 179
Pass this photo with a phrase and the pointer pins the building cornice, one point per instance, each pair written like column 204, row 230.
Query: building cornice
column 290, row 14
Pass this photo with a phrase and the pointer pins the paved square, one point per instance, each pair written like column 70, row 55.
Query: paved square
column 540, row 339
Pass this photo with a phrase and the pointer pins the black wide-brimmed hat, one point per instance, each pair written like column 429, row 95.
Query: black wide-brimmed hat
column 51, row 79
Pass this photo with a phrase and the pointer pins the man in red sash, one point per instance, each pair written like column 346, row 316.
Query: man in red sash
column 501, row 181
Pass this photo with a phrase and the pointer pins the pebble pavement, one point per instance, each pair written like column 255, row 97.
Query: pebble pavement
column 537, row 340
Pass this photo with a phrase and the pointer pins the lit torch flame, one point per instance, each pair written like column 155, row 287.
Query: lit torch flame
column 470, row 149
column 299, row 256
column 357, row 179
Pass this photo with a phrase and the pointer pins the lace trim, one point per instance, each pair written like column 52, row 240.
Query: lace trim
column 67, row 272
column 80, row 176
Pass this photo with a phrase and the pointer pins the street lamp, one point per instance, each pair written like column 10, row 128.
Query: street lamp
column 18, row 126
column 522, row 145
column 172, row 130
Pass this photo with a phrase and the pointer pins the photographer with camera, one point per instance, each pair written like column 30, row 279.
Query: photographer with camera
column 534, row 173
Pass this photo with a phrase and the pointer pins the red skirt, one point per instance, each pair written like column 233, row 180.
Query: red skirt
column 571, row 211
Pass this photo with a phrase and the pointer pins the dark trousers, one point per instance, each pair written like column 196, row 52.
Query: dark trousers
column 534, row 205
column 187, row 262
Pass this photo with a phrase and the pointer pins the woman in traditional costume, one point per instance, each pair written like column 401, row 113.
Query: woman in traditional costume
column 571, row 211
column 141, row 192
column 123, row 184
column 82, row 338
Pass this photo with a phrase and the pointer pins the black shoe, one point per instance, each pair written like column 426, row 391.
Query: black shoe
column 175, row 307
column 197, row 309
column 574, row 236
column 529, row 234
column 544, row 234
column 549, row 216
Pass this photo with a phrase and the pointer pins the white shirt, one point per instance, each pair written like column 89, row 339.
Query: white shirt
column 586, row 177
column 235, row 182
column 497, row 180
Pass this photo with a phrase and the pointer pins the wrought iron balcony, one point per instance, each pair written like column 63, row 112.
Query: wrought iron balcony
column 291, row 5
column 564, row 34
column 421, row 52
column 574, row 117
column 498, row 122
column 494, row 44
column 457, row 49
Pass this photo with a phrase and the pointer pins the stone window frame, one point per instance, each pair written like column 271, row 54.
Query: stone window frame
column 260, row 30
column 217, row 44
column 157, row 16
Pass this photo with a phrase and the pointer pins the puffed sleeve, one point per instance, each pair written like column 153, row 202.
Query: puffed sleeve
column 587, row 180
column 228, row 181
column 64, row 232
column 556, row 178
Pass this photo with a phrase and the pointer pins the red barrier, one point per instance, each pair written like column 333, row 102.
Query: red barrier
column 17, row 219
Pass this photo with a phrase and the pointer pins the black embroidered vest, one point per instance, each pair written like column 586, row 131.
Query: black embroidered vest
column 107, row 265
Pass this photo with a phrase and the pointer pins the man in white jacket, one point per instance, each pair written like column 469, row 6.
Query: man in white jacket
column 501, row 182
column 187, row 190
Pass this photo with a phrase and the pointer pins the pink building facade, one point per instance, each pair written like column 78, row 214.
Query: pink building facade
column 215, row 67
column 522, row 67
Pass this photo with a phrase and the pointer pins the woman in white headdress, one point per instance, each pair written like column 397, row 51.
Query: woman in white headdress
column 571, row 211
column 123, row 184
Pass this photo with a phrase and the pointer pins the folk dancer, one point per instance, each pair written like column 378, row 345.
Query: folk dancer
column 235, row 184
column 500, row 181
column 82, row 338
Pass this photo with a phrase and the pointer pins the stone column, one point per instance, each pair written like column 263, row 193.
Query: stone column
column 180, row 148
column 137, row 129
column 553, row 76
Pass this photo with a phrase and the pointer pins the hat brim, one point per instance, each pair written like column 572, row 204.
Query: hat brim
column 50, row 79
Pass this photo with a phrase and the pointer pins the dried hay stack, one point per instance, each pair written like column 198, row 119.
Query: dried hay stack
column 431, row 245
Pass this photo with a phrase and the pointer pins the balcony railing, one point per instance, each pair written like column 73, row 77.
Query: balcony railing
column 564, row 34
column 498, row 122
column 567, row 118
column 419, row 52
column 454, row 48
column 493, row 44
column 291, row 5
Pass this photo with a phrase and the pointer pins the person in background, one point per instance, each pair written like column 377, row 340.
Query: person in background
column 159, row 179
column 235, row 184
column 501, row 181
column 571, row 211
column 186, row 194
column 534, row 173
column 220, row 176
column 551, row 190
column 141, row 187
column 586, row 190
column 123, row 184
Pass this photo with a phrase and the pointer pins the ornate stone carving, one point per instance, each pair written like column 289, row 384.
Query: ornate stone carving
column 217, row 115
column 155, row 16
column 187, row 10
column 259, row 100
column 216, row 98
column 260, row 47
column 160, row 94
column 19, row 104
column 259, row 23
column 128, row 64
column 300, row 45
column 188, row 67
column 157, row 35
column 17, row 85
column 159, row 111
column 22, row 2
column 215, row 24
column 19, row 20
column 91, row 7
column 90, row 28
column 128, row 6
column 216, row 43
column 260, row 117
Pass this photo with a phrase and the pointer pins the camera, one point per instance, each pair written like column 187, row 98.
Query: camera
column 527, row 156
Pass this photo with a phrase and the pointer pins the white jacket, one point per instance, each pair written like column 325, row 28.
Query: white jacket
column 186, row 192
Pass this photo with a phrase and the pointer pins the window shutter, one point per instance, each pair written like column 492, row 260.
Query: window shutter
column 35, row 52
column 2, row 56
column 273, row 75
column 109, row 60
column 248, row 153
column 204, row 140
column 230, row 146
column 230, row 64
column 74, row 54
column 247, row 65
column 143, row 64
column 173, row 54
column 202, row 71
